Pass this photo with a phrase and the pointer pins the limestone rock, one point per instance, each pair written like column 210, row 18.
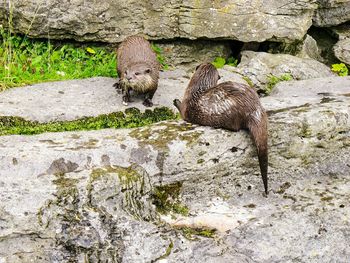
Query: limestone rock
column 186, row 53
column 161, row 192
column 342, row 50
column 258, row 66
column 72, row 99
column 112, row 21
column 331, row 13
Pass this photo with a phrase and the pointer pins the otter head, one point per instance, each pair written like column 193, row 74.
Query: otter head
column 205, row 77
column 139, row 77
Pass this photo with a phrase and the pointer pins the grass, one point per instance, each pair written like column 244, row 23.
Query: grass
column 25, row 61
column 131, row 118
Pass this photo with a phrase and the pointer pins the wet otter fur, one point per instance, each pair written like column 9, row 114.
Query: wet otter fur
column 229, row 105
column 138, row 69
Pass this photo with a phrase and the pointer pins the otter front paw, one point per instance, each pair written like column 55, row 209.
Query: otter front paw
column 147, row 103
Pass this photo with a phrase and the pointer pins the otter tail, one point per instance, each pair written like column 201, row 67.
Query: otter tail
column 258, row 130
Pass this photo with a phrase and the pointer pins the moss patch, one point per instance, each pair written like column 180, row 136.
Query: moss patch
column 132, row 117
column 193, row 233
column 166, row 199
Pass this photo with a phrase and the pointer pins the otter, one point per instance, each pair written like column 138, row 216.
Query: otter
column 138, row 69
column 228, row 105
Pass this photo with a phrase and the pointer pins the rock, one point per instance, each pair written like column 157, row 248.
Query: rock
column 258, row 66
column 331, row 13
column 186, row 53
column 175, row 192
column 310, row 49
column 72, row 99
column 342, row 50
column 341, row 31
column 112, row 21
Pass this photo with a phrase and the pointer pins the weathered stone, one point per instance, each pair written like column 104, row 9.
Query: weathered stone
column 341, row 31
column 69, row 100
column 188, row 53
column 331, row 13
column 112, row 21
column 63, row 202
column 342, row 50
column 258, row 66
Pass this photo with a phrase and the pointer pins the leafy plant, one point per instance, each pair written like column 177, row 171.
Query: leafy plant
column 219, row 62
column 341, row 69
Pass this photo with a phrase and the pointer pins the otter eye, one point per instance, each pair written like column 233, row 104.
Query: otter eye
column 137, row 73
column 126, row 72
column 197, row 67
column 147, row 71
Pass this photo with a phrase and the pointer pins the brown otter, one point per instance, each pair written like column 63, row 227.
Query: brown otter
column 229, row 105
column 138, row 69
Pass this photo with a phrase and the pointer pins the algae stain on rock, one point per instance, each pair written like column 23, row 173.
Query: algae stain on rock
column 159, row 136
column 124, row 189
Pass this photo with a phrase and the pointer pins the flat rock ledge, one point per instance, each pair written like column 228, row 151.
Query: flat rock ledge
column 175, row 192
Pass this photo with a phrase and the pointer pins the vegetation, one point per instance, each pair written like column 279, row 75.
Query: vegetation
column 26, row 61
column 131, row 118
column 160, row 56
column 219, row 62
column 341, row 69
column 273, row 80
column 166, row 199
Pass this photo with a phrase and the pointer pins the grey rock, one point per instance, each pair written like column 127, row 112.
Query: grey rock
column 258, row 66
column 341, row 31
column 187, row 53
column 331, row 13
column 112, row 21
column 342, row 50
column 69, row 100
column 65, row 201
column 310, row 49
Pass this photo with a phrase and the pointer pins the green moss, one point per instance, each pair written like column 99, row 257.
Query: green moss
column 166, row 199
column 249, row 81
column 273, row 80
column 131, row 118
column 167, row 252
column 190, row 233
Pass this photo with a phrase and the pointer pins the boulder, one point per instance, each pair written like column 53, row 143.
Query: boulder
column 175, row 192
column 342, row 50
column 331, row 13
column 112, row 21
column 260, row 66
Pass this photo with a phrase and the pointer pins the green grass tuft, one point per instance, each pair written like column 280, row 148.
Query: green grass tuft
column 25, row 61
column 219, row 62
column 131, row 118
column 273, row 80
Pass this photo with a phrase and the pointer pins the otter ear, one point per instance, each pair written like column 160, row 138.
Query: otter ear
column 147, row 71
column 198, row 66
column 219, row 76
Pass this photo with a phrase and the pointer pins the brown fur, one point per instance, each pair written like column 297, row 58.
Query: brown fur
column 138, row 68
column 229, row 105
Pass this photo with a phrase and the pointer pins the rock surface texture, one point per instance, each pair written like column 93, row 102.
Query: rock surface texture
column 112, row 21
column 175, row 192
